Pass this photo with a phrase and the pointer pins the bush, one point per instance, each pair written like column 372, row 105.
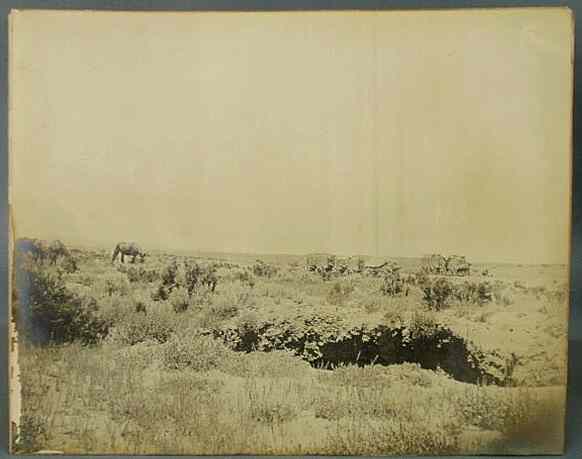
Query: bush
column 230, row 301
column 422, row 326
column 169, row 275
column 480, row 293
column 114, row 282
column 180, row 299
column 245, row 277
column 142, row 328
column 138, row 273
column 437, row 293
column 56, row 314
column 262, row 269
column 442, row 292
column 201, row 353
column 393, row 285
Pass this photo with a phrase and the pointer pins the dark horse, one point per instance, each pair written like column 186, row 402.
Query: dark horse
column 131, row 249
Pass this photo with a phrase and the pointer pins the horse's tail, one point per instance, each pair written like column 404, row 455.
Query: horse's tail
column 115, row 253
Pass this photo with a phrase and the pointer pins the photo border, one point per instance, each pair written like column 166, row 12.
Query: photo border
column 574, row 407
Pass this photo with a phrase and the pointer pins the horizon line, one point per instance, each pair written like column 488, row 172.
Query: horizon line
column 209, row 251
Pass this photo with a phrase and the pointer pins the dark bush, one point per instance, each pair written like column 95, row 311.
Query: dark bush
column 190, row 277
column 442, row 292
column 437, row 293
column 54, row 314
column 327, row 340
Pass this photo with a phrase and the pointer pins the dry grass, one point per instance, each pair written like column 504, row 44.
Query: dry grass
column 158, row 385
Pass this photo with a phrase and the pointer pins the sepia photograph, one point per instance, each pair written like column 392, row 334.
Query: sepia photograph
column 290, row 233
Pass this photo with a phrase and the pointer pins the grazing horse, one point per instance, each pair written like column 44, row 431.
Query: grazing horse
column 131, row 249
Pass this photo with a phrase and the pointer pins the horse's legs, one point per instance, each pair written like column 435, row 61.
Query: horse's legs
column 122, row 257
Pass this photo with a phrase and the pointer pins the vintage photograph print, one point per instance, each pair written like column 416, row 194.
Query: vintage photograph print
column 290, row 233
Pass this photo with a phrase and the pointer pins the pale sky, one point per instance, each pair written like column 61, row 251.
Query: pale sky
column 380, row 133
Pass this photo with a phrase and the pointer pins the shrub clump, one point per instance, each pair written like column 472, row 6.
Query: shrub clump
column 441, row 292
column 246, row 277
column 394, row 285
column 196, row 352
column 179, row 299
column 57, row 315
column 229, row 303
column 139, row 273
column 114, row 282
column 142, row 328
column 262, row 269
column 189, row 277
column 437, row 293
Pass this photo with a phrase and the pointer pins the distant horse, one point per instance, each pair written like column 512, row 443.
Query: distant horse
column 131, row 249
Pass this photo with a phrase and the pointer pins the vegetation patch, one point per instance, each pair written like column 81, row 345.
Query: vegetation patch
column 329, row 341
